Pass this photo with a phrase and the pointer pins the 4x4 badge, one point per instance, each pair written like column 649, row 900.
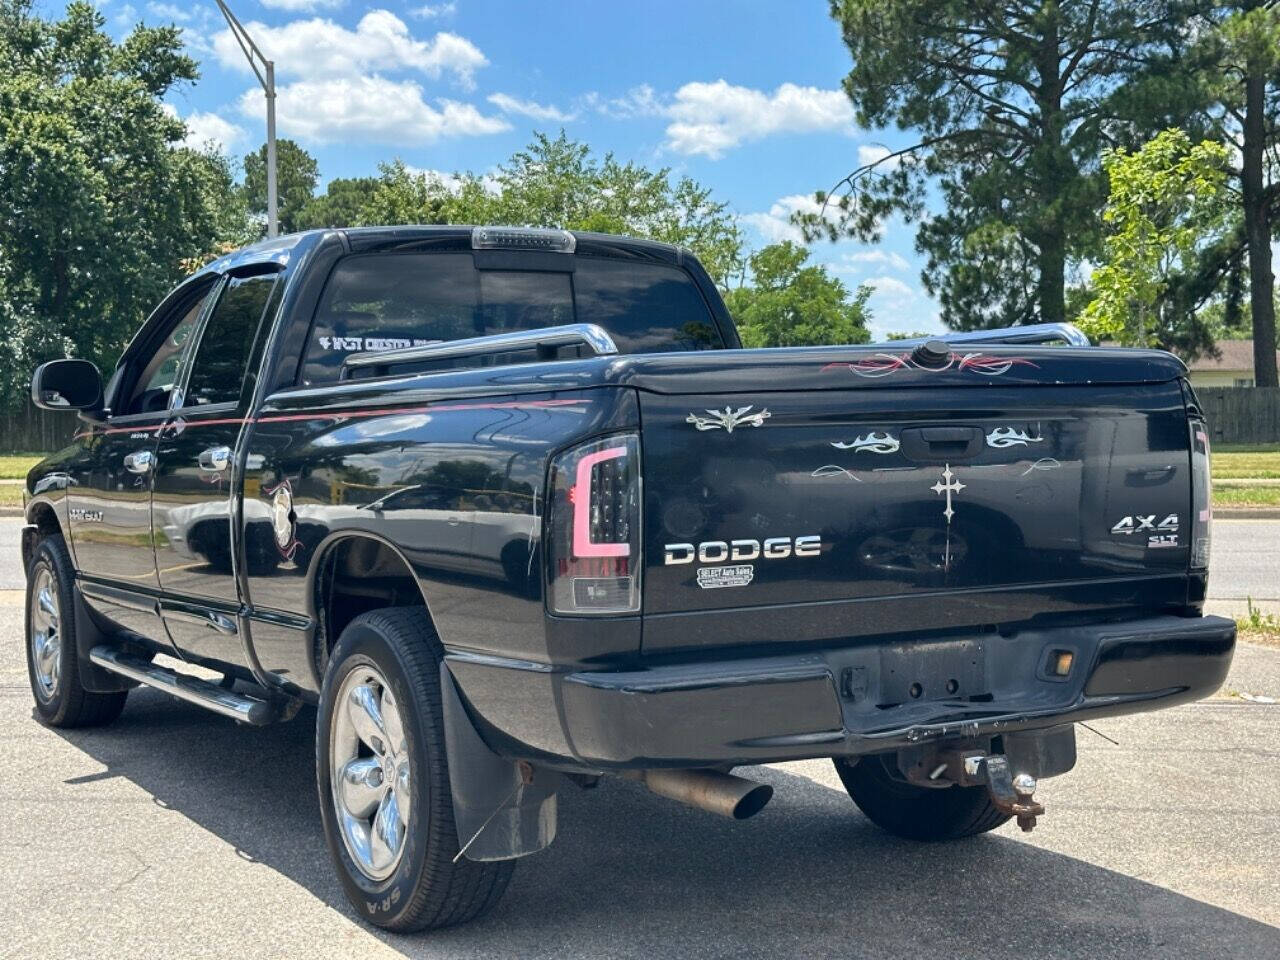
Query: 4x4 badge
column 728, row 418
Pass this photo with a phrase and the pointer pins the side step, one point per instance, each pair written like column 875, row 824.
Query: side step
column 248, row 710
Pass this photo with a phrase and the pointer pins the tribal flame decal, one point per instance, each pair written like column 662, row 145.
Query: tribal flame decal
column 884, row 364
column 872, row 443
column 1002, row 437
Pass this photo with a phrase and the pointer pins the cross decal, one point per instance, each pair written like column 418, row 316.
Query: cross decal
column 951, row 486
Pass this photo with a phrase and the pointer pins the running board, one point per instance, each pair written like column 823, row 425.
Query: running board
column 248, row 710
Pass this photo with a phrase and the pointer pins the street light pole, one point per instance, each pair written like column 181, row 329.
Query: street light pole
column 265, row 71
column 273, row 224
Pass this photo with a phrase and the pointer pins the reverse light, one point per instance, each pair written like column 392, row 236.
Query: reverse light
column 594, row 528
column 1201, row 496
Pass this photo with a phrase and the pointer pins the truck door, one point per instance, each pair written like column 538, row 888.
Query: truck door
column 194, row 498
column 109, row 500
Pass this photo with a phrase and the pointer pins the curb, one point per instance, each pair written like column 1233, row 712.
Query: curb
column 12, row 512
column 1246, row 513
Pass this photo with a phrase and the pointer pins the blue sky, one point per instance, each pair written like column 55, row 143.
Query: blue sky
column 744, row 97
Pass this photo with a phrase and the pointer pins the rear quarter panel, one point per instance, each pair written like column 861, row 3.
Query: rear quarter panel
column 454, row 485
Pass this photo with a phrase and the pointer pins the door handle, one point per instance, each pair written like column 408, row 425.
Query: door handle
column 940, row 444
column 140, row 461
column 215, row 458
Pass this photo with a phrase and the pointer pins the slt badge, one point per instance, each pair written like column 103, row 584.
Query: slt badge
column 727, row 419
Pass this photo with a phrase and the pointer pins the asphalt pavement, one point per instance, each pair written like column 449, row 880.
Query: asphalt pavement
column 175, row 833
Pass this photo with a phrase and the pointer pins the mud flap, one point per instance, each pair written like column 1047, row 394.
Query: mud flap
column 502, row 808
column 89, row 634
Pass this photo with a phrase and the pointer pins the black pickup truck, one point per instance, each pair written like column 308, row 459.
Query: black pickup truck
column 517, row 513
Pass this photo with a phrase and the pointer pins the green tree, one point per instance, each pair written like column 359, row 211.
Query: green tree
column 296, row 176
column 558, row 182
column 1240, row 60
column 339, row 205
column 1012, row 103
column 1166, row 201
column 793, row 305
column 404, row 195
column 99, row 206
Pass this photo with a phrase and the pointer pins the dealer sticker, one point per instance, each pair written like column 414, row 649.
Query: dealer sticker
column 709, row 578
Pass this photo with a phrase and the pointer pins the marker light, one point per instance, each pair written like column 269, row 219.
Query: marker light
column 522, row 238
column 1062, row 662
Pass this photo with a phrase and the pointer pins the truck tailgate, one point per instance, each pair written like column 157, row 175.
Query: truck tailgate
column 911, row 507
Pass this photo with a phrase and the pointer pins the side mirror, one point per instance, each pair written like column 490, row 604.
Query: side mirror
column 67, row 385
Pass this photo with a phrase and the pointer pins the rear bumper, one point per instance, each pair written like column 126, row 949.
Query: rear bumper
column 843, row 702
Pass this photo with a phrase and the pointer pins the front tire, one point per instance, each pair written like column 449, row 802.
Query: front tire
column 383, row 779
column 53, row 663
column 916, row 813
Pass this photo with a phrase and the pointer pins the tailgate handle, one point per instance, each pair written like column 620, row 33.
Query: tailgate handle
column 941, row 443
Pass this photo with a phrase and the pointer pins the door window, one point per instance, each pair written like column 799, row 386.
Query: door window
column 222, row 356
column 155, row 384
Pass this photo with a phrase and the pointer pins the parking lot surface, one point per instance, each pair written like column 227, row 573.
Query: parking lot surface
column 175, row 833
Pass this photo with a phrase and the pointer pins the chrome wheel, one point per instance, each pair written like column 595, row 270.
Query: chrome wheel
column 46, row 633
column 370, row 776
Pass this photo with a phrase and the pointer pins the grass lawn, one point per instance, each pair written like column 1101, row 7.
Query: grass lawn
column 10, row 495
column 1246, row 496
column 1246, row 464
column 14, row 466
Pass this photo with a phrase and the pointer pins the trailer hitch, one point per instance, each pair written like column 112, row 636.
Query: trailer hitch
column 1010, row 793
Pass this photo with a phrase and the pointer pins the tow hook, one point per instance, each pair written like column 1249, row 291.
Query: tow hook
column 1011, row 794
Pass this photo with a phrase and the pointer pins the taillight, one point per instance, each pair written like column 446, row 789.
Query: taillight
column 1201, row 496
column 594, row 528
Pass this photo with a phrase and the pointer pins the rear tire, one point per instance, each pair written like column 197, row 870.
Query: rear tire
column 53, row 662
column 396, row 864
column 916, row 813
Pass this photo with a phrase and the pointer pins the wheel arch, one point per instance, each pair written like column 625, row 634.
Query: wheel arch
column 352, row 572
column 42, row 522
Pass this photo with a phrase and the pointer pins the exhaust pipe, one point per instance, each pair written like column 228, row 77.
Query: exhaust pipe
column 722, row 793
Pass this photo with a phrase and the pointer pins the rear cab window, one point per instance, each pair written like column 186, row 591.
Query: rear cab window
column 375, row 302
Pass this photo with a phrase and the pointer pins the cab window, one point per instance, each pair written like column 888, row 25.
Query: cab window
column 375, row 302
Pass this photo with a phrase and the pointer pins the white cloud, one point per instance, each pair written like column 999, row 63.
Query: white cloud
column 775, row 225
column 639, row 101
column 880, row 258
column 308, row 6
column 710, row 118
column 869, row 153
column 528, row 108
column 370, row 108
column 452, row 182
column 892, row 288
column 167, row 11
column 429, row 11
column 898, row 307
column 205, row 127
column 381, row 41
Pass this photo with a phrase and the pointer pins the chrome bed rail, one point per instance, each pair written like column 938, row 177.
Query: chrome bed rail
column 570, row 334
column 1067, row 333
